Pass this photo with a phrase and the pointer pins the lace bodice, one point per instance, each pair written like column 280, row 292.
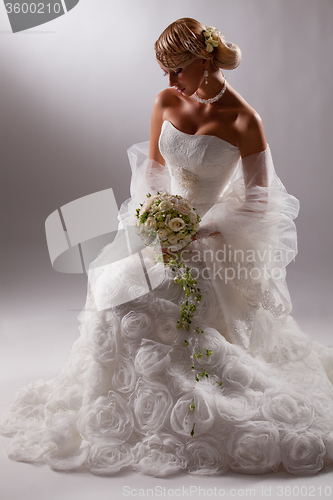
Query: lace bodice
column 200, row 165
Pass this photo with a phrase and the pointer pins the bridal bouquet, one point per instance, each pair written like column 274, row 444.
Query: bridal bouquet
column 169, row 220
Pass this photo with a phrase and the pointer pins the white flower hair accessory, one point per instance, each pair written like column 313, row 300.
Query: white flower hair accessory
column 209, row 41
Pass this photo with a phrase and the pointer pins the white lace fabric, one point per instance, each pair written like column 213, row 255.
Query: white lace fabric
column 122, row 399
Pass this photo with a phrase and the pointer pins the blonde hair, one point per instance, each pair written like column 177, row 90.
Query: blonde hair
column 183, row 41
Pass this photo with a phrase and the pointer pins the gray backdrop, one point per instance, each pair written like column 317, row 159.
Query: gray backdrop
column 78, row 91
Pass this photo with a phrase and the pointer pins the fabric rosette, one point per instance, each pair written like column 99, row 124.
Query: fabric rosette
column 135, row 326
column 152, row 358
column 193, row 409
column 159, row 455
column 106, row 459
column 207, row 456
column 287, row 411
column 109, row 420
column 303, row 452
column 152, row 403
column 124, row 375
column 254, row 448
column 102, row 341
column 167, row 220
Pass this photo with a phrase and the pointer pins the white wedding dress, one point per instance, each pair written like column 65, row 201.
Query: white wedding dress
column 128, row 397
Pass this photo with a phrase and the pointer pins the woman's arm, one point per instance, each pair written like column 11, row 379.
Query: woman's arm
column 155, row 130
column 252, row 142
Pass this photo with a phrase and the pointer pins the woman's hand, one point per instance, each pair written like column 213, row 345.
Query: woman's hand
column 204, row 233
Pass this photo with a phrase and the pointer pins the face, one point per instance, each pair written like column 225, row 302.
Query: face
column 187, row 79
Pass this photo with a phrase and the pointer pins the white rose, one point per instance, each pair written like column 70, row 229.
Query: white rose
column 209, row 47
column 183, row 209
column 146, row 206
column 202, row 417
column 302, row 452
column 124, row 375
column 176, row 224
column 155, row 463
column 254, row 448
column 196, row 226
column 206, row 456
column 105, row 459
column 165, row 205
column 212, row 340
column 108, row 419
column 175, row 248
column 150, row 223
column 135, row 325
column 166, row 330
column 207, row 309
column 236, row 407
column 152, row 403
column 180, row 378
column 152, row 358
column 286, row 411
column 172, row 239
column 99, row 380
column 162, row 234
column 171, row 291
column 159, row 455
column 103, row 339
column 154, row 209
column 135, row 291
column 236, row 374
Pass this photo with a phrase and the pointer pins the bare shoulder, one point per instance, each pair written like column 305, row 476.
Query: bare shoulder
column 251, row 137
column 163, row 102
column 247, row 125
column 167, row 98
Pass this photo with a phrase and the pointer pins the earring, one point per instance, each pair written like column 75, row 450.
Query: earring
column 206, row 76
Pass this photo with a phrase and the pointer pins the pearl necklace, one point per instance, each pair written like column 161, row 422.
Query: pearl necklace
column 212, row 99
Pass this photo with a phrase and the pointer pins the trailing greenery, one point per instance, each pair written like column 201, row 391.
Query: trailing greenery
column 188, row 308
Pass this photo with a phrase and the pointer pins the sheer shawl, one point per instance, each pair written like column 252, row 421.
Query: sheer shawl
column 247, row 259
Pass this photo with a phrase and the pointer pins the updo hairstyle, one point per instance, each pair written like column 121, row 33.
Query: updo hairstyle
column 183, row 41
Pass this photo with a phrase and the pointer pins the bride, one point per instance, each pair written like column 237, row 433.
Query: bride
column 191, row 361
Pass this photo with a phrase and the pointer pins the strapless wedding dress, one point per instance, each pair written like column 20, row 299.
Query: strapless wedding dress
column 128, row 396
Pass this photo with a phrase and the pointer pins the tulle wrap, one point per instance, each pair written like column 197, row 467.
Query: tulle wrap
column 122, row 401
column 247, row 258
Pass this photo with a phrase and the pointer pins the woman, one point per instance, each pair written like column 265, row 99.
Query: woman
column 239, row 386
